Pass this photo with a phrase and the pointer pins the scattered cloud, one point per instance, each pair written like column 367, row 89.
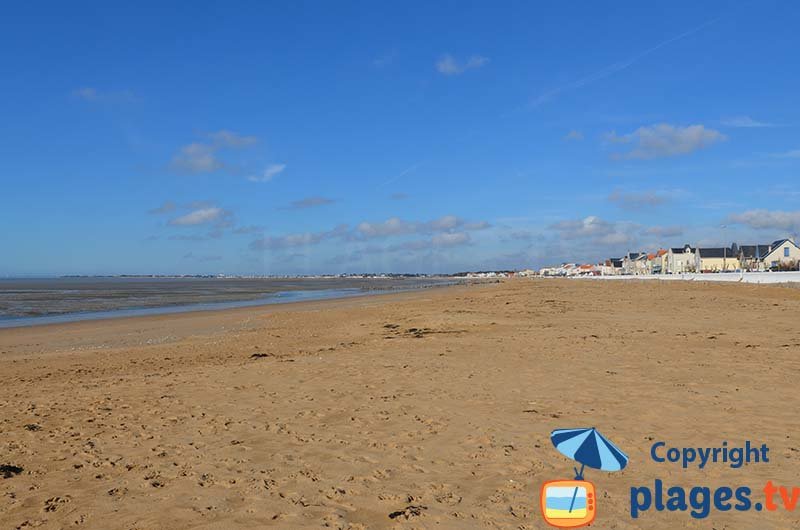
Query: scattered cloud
column 310, row 202
column 445, row 231
column 448, row 65
column 395, row 226
column 595, row 229
column 793, row 153
column 439, row 241
column 197, row 158
column 522, row 235
column 391, row 227
column 271, row 172
column 166, row 207
column 252, row 229
column 573, row 136
column 450, row 239
column 664, row 231
column 297, row 240
column 85, row 93
column 745, row 122
column 93, row 95
column 225, row 138
column 637, row 200
column 768, row 219
column 199, row 217
column 665, row 140
column 202, row 157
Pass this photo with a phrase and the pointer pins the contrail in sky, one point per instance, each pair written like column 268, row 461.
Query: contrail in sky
column 616, row 67
column 401, row 175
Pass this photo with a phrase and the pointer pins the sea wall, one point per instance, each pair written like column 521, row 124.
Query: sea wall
column 741, row 277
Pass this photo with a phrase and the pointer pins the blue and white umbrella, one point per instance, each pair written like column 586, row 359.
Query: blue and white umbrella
column 590, row 448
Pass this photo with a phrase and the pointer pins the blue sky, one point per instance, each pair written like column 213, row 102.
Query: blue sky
column 308, row 137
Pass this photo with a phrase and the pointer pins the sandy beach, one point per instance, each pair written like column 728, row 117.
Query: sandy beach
column 427, row 409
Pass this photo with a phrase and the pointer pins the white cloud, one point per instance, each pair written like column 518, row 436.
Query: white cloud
column 297, row 240
column 198, row 217
column 448, row 65
column 391, row 227
column 93, row 95
column 395, row 226
column 446, row 231
column 794, row 153
column 271, row 172
column 595, row 229
column 665, row 140
column 225, row 138
column 744, row 121
column 201, row 157
column 664, row 231
column 166, row 207
column 85, row 93
column 447, row 222
column 768, row 219
column 311, row 202
column 251, row 229
column 197, row 158
column 450, row 239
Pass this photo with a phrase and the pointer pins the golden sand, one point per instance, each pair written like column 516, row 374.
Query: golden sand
column 414, row 410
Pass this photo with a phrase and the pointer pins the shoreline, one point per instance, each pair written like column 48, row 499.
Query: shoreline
column 275, row 298
column 174, row 328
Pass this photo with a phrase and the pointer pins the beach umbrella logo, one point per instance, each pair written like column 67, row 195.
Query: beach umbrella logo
column 573, row 503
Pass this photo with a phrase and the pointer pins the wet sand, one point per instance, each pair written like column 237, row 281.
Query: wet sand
column 426, row 409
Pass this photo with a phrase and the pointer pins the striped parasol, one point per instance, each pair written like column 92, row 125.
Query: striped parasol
column 590, row 448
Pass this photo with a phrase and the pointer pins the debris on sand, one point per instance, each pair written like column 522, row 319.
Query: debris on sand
column 418, row 333
column 33, row 427
column 9, row 470
column 408, row 512
column 259, row 355
column 54, row 503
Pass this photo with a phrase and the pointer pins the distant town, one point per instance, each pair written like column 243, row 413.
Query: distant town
column 780, row 255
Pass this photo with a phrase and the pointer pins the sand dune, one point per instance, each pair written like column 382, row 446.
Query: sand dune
column 412, row 410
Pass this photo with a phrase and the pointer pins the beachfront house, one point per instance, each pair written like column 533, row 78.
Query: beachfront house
column 612, row 267
column 783, row 254
column 717, row 259
column 656, row 262
column 634, row 263
column 751, row 257
column 680, row 260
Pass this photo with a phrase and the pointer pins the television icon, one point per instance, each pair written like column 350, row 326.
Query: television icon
column 568, row 503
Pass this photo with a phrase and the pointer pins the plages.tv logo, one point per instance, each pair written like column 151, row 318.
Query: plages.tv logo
column 573, row 503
